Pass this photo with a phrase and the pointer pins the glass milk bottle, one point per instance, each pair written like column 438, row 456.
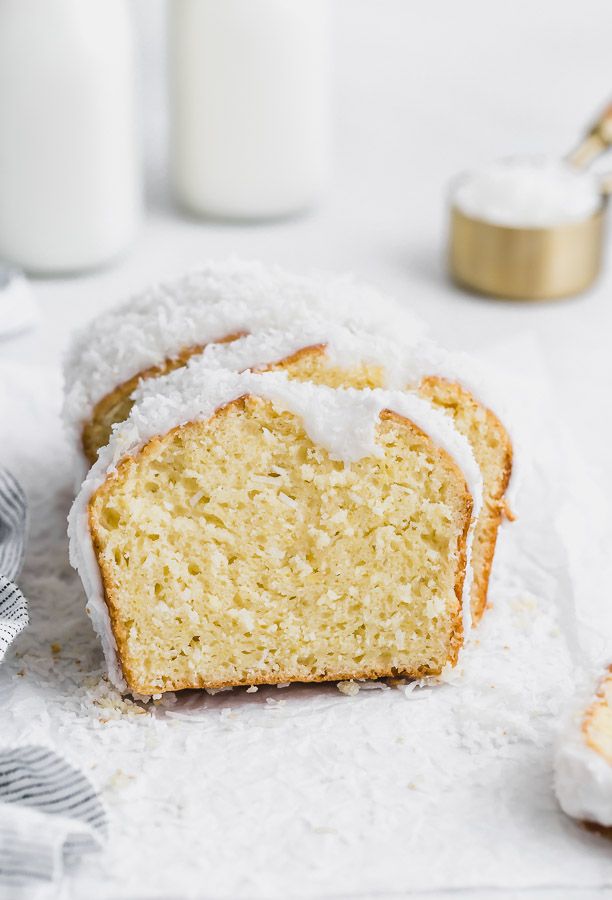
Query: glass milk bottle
column 69, row 167
column 250, row 105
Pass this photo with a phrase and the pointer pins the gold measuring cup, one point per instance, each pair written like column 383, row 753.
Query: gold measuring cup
column 538, row 263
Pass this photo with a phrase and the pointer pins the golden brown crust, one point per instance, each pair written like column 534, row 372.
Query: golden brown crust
column 302, row 353
column 495, row 513
column 116, row 406
column 480, row 589
column 284, row 678
column 120, row 632
column 599, row 700
column 494, row 506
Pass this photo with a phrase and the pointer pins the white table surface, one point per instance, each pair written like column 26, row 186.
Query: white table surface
column 422, row 91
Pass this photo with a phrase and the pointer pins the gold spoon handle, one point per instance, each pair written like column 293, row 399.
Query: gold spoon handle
column 597, row 139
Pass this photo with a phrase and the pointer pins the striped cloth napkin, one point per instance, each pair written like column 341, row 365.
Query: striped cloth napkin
column 13, row 524
column 50, row 813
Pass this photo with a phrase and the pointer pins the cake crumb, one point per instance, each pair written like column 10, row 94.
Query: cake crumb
column 350, row 688
column 56, row 649
column 252, row 690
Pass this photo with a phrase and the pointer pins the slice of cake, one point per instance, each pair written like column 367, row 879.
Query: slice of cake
column 245, row 528
column 160, row 329
column 330, row 354
column 583, row 763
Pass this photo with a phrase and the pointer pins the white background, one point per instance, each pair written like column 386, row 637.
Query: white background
column 422, row 91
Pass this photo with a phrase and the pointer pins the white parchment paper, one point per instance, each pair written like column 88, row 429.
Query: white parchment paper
column 303, row 791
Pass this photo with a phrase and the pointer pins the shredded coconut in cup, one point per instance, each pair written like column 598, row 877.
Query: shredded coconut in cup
column 528, row 192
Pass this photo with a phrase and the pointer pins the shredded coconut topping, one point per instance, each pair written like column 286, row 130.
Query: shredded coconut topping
column 206, row 305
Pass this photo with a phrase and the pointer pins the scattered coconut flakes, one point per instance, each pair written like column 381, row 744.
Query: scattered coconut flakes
column 349, row 688
column 252, row 690
column 114, row 708
column 416, row 690
column 114, row 704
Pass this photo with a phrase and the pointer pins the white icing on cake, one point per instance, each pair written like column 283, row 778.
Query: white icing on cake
column 342, row 421
column 583, row 776
column 206, row 305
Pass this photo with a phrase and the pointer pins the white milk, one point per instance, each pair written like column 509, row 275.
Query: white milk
column 250, row 105
column 69, row 168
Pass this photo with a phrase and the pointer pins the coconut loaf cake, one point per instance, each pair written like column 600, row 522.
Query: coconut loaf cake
column 248, row 528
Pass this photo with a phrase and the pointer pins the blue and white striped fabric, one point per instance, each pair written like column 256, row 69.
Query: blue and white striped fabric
column 13, row 521
column 13, row 524
column 50, row 814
